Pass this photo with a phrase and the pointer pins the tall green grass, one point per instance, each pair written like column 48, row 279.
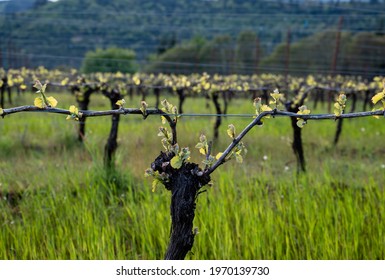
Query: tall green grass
column 297, row 219
column 71, row 208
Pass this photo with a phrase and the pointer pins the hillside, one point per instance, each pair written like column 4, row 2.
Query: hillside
column 59, row 33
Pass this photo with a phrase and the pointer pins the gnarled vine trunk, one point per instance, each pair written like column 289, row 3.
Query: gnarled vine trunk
column 112, row 142
column 297, row 135
column 218, row 110
column 184, row 184
column 297, row 145
column 157, row 97
column 83, row 100
column 2, row 91
column 182, row 97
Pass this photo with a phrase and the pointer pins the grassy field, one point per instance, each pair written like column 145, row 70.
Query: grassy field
column 62, row 204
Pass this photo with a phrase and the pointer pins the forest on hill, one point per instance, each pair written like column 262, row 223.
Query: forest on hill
column 58, row 34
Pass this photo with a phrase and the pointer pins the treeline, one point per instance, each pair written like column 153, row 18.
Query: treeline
column 60, row 33
column 361, row 54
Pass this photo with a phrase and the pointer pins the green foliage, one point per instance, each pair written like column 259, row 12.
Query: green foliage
column 339, row 105
column 17, row 6
column 307, row 57
column 121, row 103
column 380, row 97
column 278, row 99
column 358, row 47
column 69, row 38
column 219, row 53
column 166, row 138
column 43, row 101
column 169, row 109
column 303, row 110
column 240, row 149
column 183, row 55
column 203, row 145
column 143, row 108
column 75, row 114
column 248, row 51
column 231, row 131
column 158, row 178
column 180, row 157
column 259, row 108
column 109, row 60
column 204, row 148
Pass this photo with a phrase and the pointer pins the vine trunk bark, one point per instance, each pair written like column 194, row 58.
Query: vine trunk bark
column 182, row 98
column 112, row 142
column 218, row 110
column 2, row 91
column 297, row 136
column 184, row 185
column 83, row 100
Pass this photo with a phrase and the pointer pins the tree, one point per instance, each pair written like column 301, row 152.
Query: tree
column 39, row 3
column 110, row 60
column 16, row 6
column 166, row 42
column 219, row 54
column 182, row 58
column 247, row 52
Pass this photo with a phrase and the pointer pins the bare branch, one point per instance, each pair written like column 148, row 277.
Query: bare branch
column 85, row 113
column 328, row 116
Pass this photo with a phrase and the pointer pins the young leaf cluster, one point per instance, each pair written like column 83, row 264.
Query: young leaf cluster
column 277, row 99
column 42, row 101
column 75, row 114
column 136, row 80
column 205, row 149
column 143, row 108
column 339, row 105
column 166, row 139
column 240, row 149
column 180, row 156
column 259, row 108
column 169, row 109
column 303, row 110
column 379, row 97
column 121, row 103
column 159, row 178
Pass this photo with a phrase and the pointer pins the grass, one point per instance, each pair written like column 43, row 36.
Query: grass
column 70, row 208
